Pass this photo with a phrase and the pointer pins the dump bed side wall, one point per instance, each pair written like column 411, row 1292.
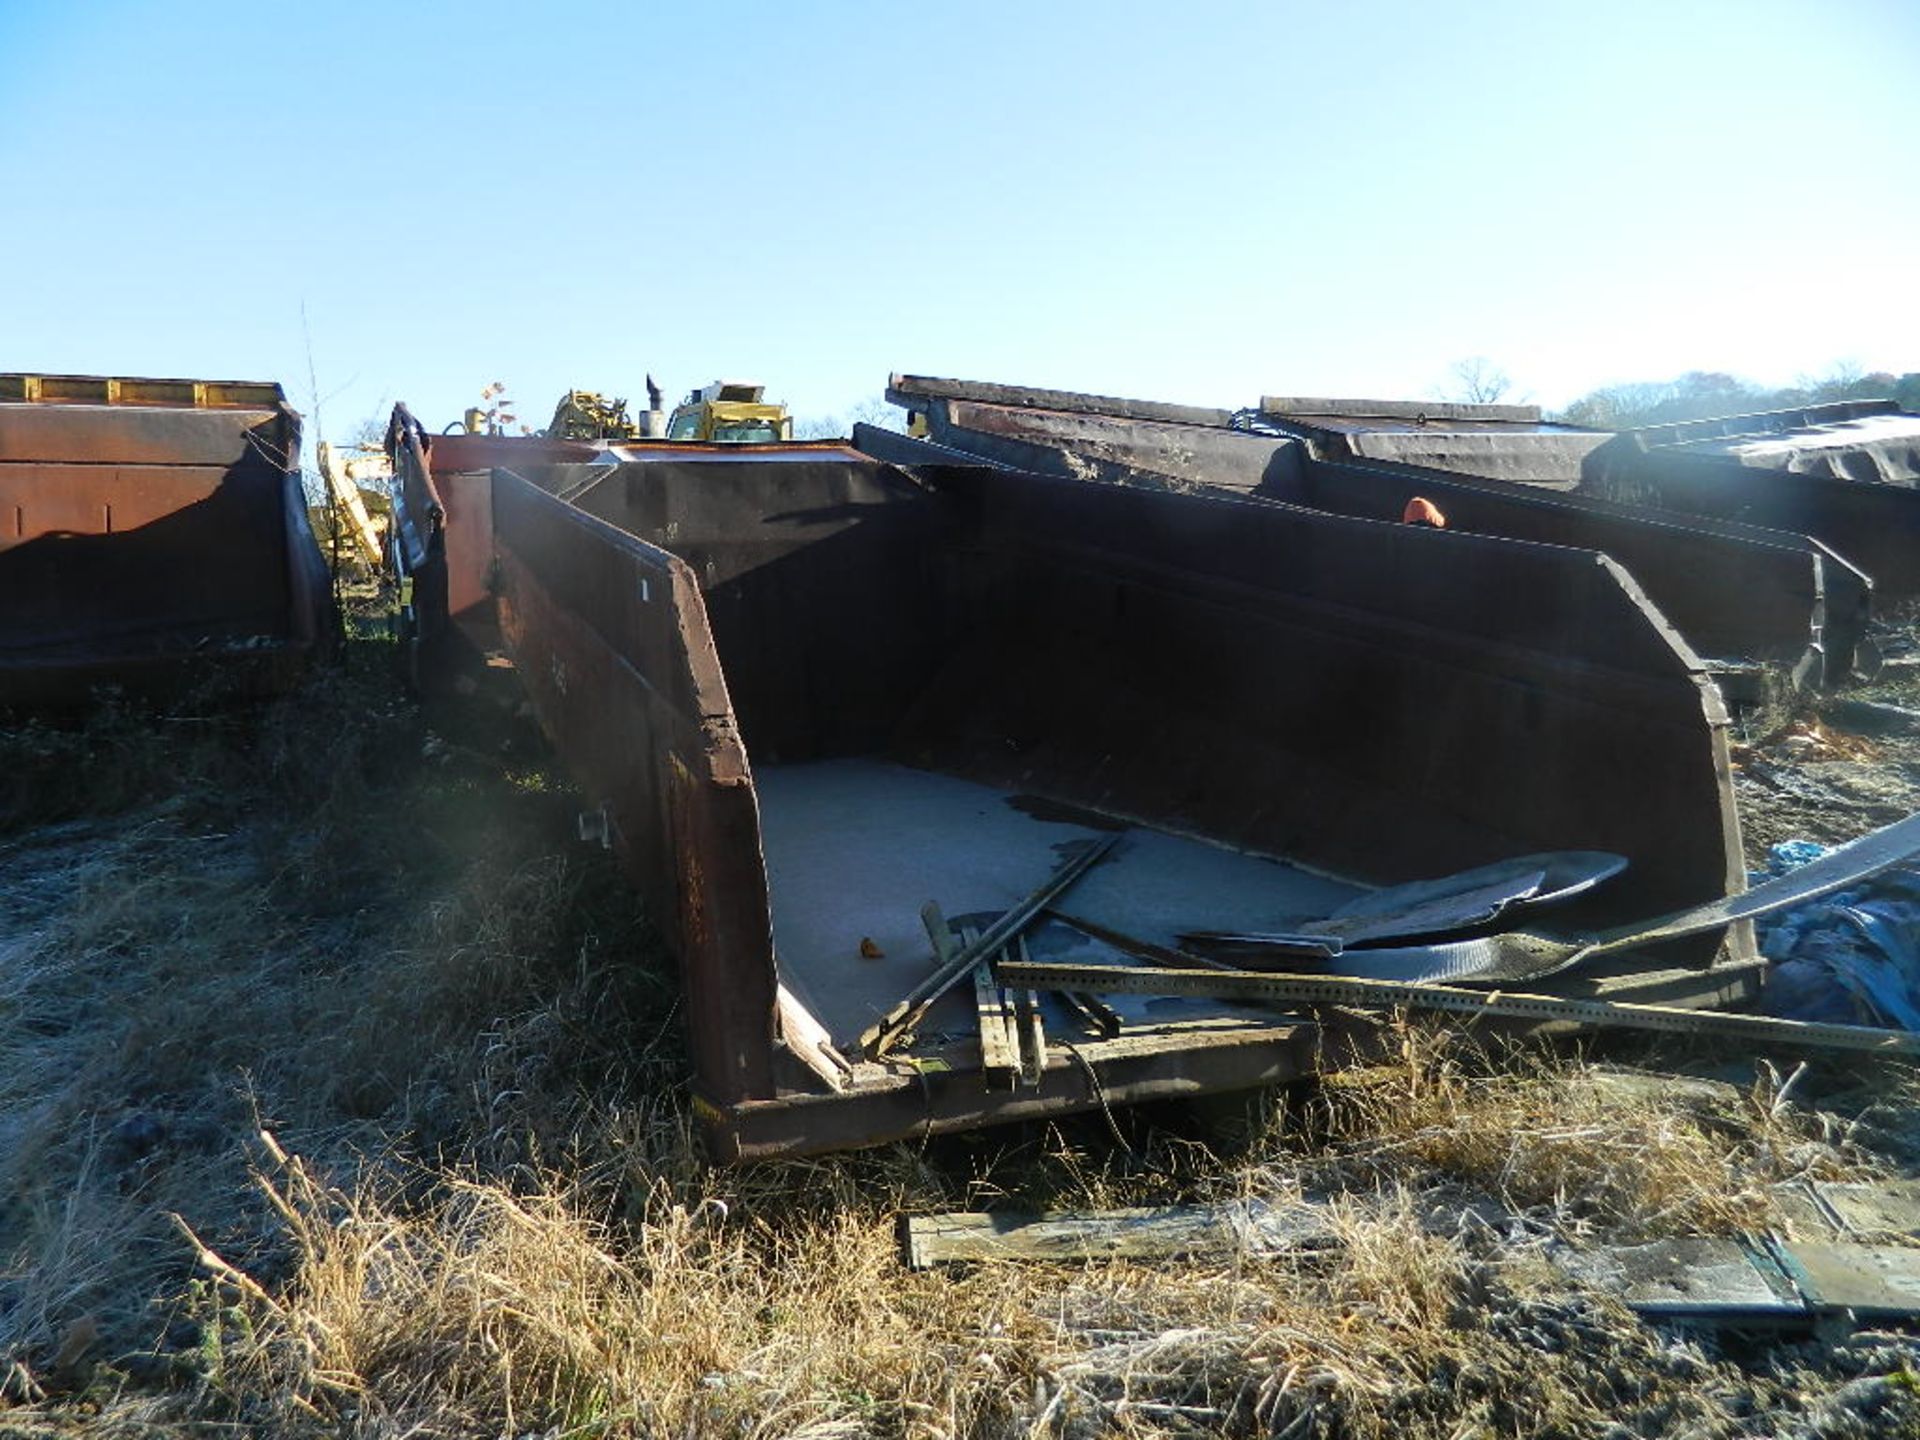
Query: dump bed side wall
column 611, row 640
column 1728, row 596
column 1367, row 698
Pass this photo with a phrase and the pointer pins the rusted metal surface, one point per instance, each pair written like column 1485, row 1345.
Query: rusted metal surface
column 130, row 390
column 1733, row 589
column 459, row 451
column 1738, row 468
column 610, row 637
column 908, row 387
column 763, row 453
column 150, row 544
column 1353, row 696
column 1501, row 442
column 443, row 513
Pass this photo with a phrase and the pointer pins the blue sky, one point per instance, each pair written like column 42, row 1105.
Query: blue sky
column 1186, row 201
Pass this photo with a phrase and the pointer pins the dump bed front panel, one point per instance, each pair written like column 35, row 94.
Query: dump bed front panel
column 818, row 582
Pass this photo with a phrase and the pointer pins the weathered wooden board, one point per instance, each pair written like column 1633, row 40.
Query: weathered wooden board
column 1870, row 1282
column 1170, row 1232
column 1693, row 1278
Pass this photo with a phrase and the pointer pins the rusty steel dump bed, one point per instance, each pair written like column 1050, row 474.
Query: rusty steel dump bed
column 153, row 533
column 808, row 696
column 1847, row 472
column 1734, row 590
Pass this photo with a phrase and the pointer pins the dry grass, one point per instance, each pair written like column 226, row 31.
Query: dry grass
column 1572, row 1144
column 344, row 1095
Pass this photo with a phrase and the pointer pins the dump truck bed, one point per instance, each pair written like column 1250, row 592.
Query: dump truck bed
column 1734, row 590
column 807, row 697
column 1843, row 472
column 152, row 534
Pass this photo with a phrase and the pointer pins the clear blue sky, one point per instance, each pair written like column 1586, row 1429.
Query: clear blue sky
column 1188, row 201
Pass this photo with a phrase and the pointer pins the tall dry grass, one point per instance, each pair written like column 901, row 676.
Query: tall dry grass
column 1569, row 1143
column 344, row 1094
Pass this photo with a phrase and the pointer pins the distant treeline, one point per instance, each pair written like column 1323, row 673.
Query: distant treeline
column 1700, row 394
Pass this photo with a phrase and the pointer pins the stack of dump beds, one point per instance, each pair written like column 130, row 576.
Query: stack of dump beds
column 1735, row 590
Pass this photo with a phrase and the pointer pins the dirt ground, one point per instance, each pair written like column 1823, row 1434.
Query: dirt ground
column 342, row 1092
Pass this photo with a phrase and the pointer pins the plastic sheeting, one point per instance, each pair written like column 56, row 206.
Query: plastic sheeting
column 1850, row 958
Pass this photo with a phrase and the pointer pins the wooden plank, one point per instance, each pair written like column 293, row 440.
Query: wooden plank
column 1883, row 1207
column 1690, row 1278
column 1698, row 1279
column 1170, row 1232
column 1251, row 1228
column 1390, row 994
column 807, row 1039
column 999, row 1058
column 886, row 1031
column 1871, row 1282
column 1033, row 1030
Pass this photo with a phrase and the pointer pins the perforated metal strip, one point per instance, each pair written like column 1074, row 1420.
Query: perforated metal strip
column 1388, row 994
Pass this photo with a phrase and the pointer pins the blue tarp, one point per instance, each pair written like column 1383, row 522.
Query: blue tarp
column 1851, row 958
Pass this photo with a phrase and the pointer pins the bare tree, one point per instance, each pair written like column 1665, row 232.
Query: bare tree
column 874, row 411
column 1477, row 381
column 817, row 427
column 371, row 432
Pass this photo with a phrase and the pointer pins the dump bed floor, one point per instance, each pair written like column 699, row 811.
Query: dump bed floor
column 855, row 847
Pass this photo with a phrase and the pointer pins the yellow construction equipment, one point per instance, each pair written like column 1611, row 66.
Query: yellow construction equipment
column 729, row 412
column 588, row 415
